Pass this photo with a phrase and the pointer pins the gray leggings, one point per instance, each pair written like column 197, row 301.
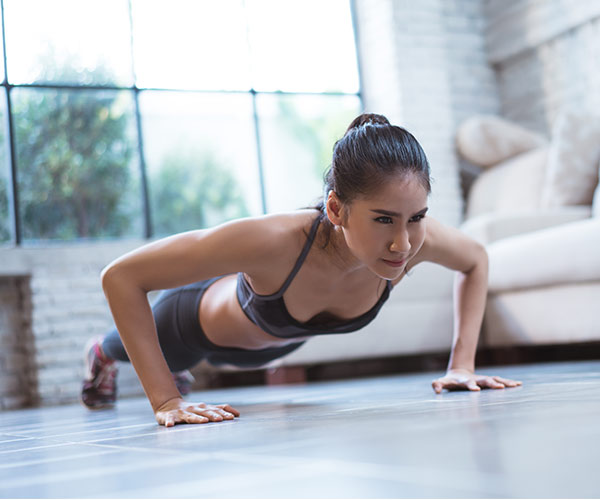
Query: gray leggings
column 182, row 340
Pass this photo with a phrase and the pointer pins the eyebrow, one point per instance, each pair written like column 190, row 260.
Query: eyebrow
column 396, row 214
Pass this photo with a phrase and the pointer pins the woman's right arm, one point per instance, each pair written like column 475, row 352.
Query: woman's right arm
column 243, row 245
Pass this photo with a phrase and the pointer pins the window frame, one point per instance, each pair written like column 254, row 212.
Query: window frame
column 12, row 184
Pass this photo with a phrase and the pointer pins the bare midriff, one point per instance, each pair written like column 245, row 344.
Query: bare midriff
column 224, row 322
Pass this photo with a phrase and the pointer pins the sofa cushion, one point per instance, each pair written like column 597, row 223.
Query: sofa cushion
column 559, row 255
column 488, row 228
column 486, row 140
column 511, row 186
column 548, row 315
column 572, row 172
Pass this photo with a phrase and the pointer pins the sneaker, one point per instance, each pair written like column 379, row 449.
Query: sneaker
column 184, row 380
column 99, row 387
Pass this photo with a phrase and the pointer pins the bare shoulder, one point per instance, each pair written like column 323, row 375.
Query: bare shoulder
column 251, row 245
column 449, row 247
column 268, row 238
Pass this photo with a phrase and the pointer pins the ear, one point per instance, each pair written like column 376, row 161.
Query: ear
column 334, row 209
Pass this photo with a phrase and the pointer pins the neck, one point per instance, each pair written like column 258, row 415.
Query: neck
column 341, row 256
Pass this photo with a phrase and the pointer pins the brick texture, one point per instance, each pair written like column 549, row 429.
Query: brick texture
column 48, row 312
column 546, row 56
column 424, row 65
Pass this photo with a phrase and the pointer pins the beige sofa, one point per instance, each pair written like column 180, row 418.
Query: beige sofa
column 536, row 207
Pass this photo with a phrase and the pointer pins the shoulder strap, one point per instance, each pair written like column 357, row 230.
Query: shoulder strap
column 302, row 256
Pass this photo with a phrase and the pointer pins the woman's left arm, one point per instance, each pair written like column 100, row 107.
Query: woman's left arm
column 451, row 248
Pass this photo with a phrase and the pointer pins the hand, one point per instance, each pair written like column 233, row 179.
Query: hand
column 467, row 380
column 177, row 411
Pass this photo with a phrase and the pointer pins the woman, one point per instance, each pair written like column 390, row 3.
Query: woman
column 227, row 303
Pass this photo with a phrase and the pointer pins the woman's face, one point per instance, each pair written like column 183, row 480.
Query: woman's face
column 387, row 228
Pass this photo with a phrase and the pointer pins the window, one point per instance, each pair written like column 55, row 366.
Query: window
column 191, row 113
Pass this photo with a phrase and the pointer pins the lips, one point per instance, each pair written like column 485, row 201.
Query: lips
column 395, row 263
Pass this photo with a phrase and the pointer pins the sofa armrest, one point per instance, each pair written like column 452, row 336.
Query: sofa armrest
column 565, row 254
column 492, row 227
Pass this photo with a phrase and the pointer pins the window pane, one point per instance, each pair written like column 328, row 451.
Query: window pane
column 297, row 138
column 190, row 44
column 77, row 164
column 5, row 214
column 200, row 152
column 68, row 41
column 303, row 46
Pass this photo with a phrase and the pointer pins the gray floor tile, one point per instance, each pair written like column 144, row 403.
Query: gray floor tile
column 378, row 437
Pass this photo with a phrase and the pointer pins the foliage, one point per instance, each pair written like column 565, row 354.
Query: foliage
column 191, row 190
column 73, row 157
column 75, row 154
column 317, row 133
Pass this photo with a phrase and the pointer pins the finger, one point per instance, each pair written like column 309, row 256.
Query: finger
column 437, row 387
column 213, row 416
column 169, row 421
column 192, row 418
column 472, row 385
column 453, row 386
column 229, row 408
column 197, row 409
column 508, row 382
column 491, row 383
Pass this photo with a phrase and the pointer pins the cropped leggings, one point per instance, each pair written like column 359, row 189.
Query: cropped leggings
column 182, row 340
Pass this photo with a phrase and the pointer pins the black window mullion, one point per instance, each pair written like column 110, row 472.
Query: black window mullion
column 13, row 192
column 144, row 178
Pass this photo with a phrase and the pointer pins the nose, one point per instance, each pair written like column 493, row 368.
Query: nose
column 401, row 243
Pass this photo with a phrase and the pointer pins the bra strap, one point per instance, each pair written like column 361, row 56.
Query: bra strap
column 302, row 256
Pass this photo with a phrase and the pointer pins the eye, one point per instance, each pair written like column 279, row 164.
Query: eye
column 417, row 218
column 384, row 220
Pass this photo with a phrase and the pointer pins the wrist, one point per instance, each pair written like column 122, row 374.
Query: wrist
column 166, row 402
column 461, row 369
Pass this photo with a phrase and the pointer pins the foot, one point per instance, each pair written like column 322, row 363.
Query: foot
column 99, row 387
column 183, row 380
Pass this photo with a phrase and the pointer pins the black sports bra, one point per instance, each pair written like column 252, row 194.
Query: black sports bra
column 270, row 313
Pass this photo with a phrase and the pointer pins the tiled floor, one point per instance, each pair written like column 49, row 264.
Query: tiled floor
column 377, row 437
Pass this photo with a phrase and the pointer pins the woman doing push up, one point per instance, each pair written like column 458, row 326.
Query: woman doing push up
column 252, row 290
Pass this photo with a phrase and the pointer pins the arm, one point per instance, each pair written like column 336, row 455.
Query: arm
column 175, row 261
column 470, row 292
column 451, row 248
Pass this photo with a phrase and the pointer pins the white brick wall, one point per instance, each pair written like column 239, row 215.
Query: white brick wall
column 546, row 56
column 44, row 327
column 424, row 66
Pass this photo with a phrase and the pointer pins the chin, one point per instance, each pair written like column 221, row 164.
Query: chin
column 388, row 273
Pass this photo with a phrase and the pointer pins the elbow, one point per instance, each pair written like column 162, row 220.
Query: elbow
column 479, row 260
column 111, row 276
column 107, row 276
column 481, row 266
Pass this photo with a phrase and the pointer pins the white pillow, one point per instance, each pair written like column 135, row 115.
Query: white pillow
column 486, row 140
column 572, row 172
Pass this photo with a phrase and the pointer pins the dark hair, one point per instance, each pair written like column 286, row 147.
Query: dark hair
column 367, row 155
